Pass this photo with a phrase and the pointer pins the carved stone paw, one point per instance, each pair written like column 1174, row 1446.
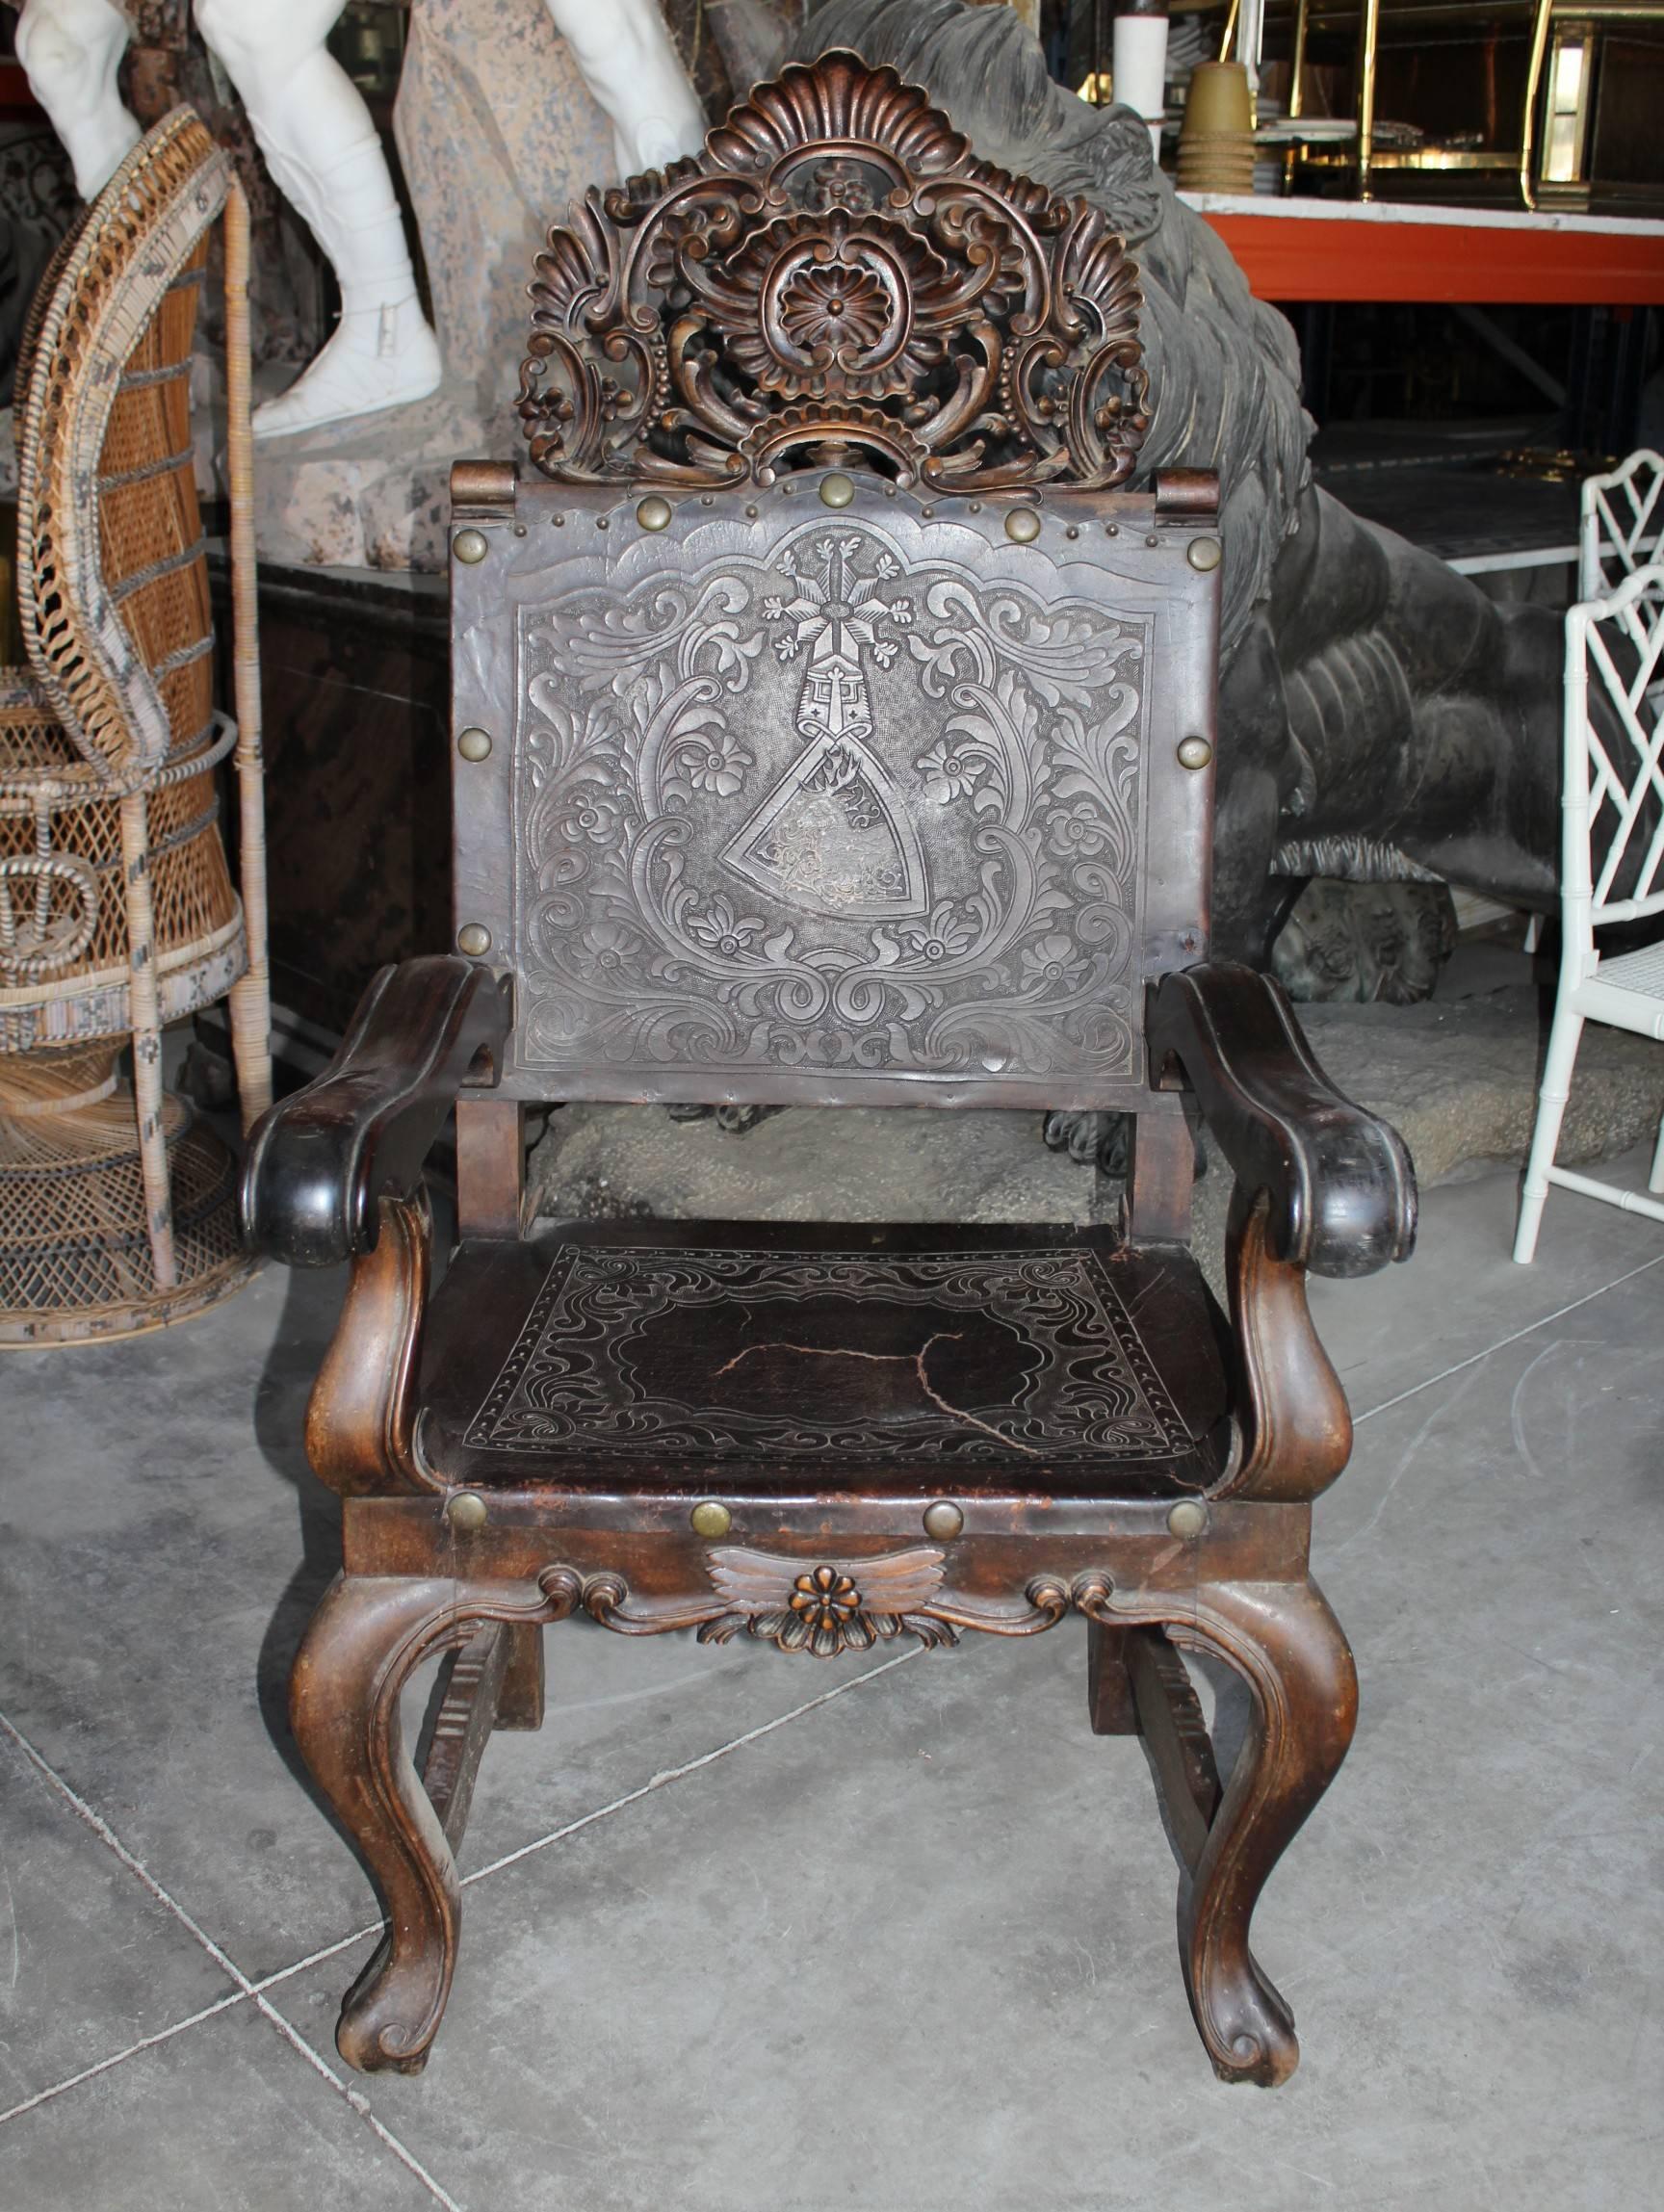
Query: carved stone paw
column 732, row 1120
column 1088, row 1137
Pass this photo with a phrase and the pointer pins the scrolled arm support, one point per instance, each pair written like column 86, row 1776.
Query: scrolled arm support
column 1320, row 1186
column 321, row 1161
column 1339, row 1188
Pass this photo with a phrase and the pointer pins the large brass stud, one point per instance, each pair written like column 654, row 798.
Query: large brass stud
column 1187, row 1519
column 475, row 744
column 836, row 489
column 1194, row 753
column 1022, row 526
column 470, row 545
column 466, row 1512
column 943, row 1520
column 654, row 512
column 1204, row 554
column 710, row 1518
column 474, row 939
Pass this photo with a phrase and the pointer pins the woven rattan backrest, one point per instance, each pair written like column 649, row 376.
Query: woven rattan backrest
column 113, row 570
column 833, row 728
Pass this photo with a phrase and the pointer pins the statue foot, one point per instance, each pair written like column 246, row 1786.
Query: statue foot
column 359, row 372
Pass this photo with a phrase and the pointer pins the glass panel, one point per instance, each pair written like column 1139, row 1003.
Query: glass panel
column 1560, row 155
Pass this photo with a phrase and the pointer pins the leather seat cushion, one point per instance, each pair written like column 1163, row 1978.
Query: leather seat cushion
column 790, row 1359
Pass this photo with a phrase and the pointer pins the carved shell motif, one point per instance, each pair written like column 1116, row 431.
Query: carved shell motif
column 835, row 275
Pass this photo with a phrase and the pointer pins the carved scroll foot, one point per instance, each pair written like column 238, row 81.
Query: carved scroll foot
column 1287, row 1645
column 366, row 1639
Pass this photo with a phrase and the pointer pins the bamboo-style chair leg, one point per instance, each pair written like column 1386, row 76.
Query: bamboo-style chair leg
column 1563, row 1041
column 145, row 1013
column 252, row 994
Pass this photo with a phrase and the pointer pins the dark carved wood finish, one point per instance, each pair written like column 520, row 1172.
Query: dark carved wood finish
column 792, row 783
column 835, row 275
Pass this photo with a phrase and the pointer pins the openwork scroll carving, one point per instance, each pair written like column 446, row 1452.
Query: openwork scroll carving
column 835, row 275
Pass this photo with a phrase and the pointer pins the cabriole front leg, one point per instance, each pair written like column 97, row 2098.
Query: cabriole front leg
column 1287, row 1647
column 366, row 1639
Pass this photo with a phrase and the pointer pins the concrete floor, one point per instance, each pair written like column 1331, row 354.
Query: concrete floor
column 892, row 1937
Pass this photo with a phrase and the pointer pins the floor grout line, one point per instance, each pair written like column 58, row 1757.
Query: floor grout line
column 144, row 2043
column 107, row 1836
column 1501, row 1344
column 247, row 1989
column 600, row 1813
column 691, row 1766
column 251, row 1991
column 357, row 2101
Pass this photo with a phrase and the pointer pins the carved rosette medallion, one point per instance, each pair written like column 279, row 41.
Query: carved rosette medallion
column 842, row 1605
column 780, row 301
column 836, row 805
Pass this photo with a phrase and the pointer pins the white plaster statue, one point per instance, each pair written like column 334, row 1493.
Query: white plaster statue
column 323, row 152
column 625, row 56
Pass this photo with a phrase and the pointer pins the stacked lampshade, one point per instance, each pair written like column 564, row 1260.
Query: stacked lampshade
column 1217, row 144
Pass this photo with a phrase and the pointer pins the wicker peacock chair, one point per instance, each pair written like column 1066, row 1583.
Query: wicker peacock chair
column 118, row 913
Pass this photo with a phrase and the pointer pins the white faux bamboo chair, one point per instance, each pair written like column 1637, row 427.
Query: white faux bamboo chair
column 1621, row 515
column 1613, row 808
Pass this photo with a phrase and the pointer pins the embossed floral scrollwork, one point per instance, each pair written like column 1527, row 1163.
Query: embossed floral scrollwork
column 949, row 772
column 720, row 880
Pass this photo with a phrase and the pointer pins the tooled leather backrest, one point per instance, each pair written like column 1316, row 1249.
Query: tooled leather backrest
column 819, row 721
column 113, row 570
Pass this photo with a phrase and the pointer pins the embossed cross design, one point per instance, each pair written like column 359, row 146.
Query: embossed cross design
column 835, row 613
column 879, row 869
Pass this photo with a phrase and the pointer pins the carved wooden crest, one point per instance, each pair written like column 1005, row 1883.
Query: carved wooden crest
column 835, row 275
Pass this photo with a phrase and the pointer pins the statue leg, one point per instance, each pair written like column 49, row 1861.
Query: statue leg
column 625, row 58
column 365, row 1640
column 70, row 50
column 323, row 150
column 1287, row 1647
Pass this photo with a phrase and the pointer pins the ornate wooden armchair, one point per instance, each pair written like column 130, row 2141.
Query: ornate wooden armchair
column 831, row 727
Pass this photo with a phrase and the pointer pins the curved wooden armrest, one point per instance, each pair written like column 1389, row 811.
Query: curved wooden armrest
column 1341, row 1187
column 320, row 1162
